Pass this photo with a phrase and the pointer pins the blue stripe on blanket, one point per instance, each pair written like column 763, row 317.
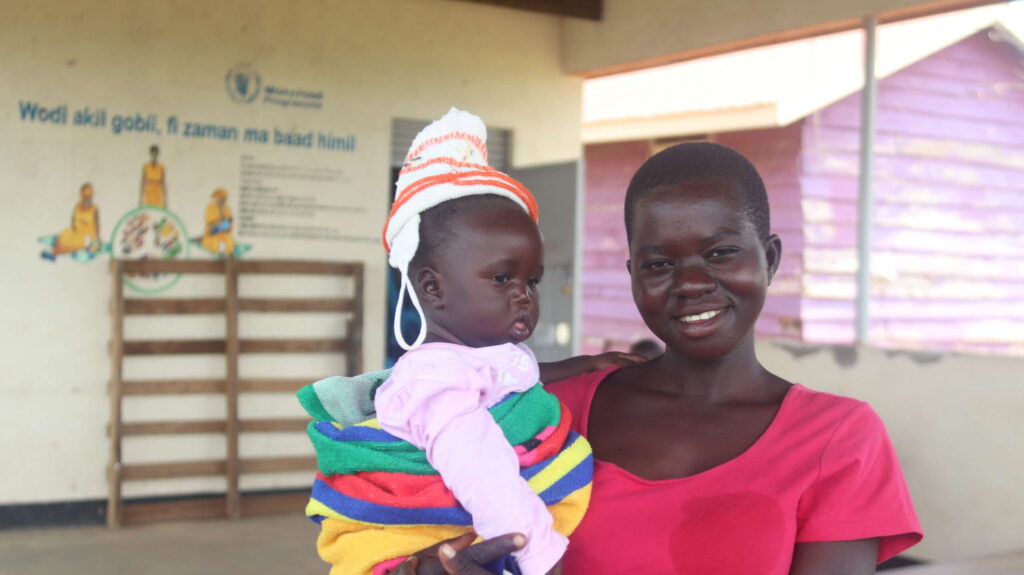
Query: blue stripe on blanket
column 529, row 472
column 580, row 476
column 355, row 433
column 368, row 512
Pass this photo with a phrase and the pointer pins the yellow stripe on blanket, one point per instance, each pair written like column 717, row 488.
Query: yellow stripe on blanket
column 371, row 423
column 565, row 462
column 354, row 547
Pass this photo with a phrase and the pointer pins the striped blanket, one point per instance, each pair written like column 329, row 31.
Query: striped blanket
column 376, row 497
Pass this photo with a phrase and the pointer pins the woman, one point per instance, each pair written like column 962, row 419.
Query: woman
column 153, row 189
column 705, row 461
column 84, row 232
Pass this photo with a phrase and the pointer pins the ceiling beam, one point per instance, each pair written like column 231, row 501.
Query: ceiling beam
column 588, row 9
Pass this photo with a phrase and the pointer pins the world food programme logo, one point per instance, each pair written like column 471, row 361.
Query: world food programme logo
column 243, row 84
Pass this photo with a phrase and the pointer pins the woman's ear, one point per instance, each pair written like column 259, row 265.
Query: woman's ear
column 772, row 255
column 429, row 285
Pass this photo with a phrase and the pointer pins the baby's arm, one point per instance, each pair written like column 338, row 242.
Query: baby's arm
column 566, row 368
column 440, row 413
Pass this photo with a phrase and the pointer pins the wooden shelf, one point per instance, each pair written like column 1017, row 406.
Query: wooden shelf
column 232, row 504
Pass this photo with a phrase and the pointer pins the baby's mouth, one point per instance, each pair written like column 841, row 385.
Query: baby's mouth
column 521, row 330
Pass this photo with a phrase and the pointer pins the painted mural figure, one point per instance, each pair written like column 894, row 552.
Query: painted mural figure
column 153, row 189
column 217, row 233
column 84, row 233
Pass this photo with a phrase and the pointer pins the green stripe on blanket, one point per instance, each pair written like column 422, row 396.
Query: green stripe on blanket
column 521, row 417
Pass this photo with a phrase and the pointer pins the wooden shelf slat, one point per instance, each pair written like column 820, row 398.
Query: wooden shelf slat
column 292, row 345
column 173, row 346
column 276, row 503
column 212, row 507
column 295, row 305
column 140, row 471
column 273, row 424
column 173, row 386
column 272, row 385
column 198, row 508
column 296, row 267
column 171, row 427
column 173, row 306
column 277, row 464
column 172, row 267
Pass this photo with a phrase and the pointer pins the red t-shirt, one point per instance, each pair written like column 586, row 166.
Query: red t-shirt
column 824, row 470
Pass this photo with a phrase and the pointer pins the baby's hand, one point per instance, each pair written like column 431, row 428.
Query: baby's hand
column 558, row 370
column 610, row 358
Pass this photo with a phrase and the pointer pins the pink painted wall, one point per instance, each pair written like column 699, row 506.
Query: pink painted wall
column 609, row 318
column 948, row 234
column 948, row 230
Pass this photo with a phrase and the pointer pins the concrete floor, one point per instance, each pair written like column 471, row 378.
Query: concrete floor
column 275, row 545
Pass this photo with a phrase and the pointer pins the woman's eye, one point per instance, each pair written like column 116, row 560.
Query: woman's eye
column 654, row 265
column 500, row 278
column 719, row 253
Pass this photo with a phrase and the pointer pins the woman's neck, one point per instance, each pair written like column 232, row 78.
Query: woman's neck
column 737, row 374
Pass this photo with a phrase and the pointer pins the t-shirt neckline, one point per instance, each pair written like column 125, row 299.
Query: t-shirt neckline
column 771, row 430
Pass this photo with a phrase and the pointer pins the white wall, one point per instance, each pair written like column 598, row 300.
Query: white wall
column 374, row 60
column 956, row 423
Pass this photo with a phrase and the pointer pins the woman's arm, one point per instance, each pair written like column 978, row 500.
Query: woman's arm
column 835, row 557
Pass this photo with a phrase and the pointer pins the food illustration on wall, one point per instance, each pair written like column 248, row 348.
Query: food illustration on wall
column 150, row 233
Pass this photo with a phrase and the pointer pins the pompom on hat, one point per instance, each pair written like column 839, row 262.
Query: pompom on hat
column 447, row 161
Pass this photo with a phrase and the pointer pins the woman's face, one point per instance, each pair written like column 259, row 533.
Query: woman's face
column 699, row 270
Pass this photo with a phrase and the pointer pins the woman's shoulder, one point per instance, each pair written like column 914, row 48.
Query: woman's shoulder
column 831, row 416
column 827, row 403
column 576, row 391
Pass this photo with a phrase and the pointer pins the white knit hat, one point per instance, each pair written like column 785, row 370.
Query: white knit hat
column 447, row 160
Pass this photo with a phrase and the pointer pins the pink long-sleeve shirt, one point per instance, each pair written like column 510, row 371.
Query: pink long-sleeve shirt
column 437, row 399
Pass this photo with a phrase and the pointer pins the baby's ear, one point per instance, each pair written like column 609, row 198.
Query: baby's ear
column 429, row 285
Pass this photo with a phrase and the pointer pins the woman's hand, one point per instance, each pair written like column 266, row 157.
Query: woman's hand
column 458, row 557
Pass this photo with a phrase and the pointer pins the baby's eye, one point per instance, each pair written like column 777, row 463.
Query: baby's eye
column 533, row 282
column 500, row 278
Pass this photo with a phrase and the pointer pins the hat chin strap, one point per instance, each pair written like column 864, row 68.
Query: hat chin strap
column 403, row 248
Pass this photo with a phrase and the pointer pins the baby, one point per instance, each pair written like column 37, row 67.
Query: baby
column 466, row 395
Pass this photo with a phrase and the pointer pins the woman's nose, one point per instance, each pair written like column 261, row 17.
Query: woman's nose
column 692, row 279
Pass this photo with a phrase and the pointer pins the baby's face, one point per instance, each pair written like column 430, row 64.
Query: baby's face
column 490, row 274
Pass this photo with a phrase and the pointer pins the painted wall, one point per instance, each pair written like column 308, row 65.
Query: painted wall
column 948, row 230
column 652, row 31
column 371, row 61
column 955, row 422
column 953, row 418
